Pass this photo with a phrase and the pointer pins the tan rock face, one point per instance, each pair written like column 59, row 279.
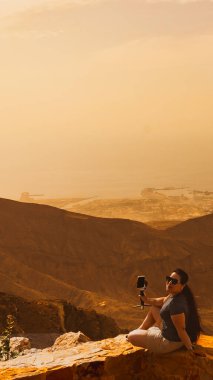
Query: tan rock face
column 19, row 344
column 69, row 340
column 112, row 359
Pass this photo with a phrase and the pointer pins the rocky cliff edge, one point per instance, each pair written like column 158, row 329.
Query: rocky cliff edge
column 110, row 359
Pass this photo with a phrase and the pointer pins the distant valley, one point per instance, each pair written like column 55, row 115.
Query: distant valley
column 160, row 208
column 49, row 253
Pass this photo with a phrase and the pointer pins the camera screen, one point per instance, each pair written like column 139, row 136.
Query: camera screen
column 141, row 282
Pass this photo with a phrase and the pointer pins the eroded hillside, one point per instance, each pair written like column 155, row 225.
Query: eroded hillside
column 94, row 262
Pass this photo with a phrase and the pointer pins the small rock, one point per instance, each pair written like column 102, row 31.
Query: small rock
column 19, row 344
column 69, row 340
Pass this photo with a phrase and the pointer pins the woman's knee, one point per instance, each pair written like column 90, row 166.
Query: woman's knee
column 155, row 310
column 137, row 337
column 129, row 337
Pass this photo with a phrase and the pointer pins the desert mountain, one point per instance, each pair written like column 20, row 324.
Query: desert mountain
column 47, row 252
column 199, row 230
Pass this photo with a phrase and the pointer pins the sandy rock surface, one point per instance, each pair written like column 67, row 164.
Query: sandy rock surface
column 111, row 359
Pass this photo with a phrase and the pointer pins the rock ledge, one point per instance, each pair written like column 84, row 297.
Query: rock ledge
column 111, row 359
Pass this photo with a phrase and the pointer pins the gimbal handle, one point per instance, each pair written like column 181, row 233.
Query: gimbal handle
column 142, row 302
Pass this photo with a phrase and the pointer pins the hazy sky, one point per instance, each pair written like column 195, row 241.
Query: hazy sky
column 105, row 97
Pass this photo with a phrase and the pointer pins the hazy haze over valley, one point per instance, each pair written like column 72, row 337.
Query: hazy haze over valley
column 105, row 97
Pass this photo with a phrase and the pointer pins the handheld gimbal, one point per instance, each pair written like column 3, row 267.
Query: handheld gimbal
column 142, row 285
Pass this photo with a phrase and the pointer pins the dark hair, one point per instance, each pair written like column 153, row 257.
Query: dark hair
column 193, row 326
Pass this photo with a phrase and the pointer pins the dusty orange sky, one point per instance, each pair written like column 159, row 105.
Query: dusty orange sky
column 105, row 97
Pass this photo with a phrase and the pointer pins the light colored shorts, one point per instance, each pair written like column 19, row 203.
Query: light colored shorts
column 153, row 340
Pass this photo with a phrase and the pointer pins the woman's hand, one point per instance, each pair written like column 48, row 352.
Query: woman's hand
column 197, row 352
column 144, row 298
column 158, row 302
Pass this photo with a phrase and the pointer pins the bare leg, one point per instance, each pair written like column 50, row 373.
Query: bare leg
column 152, row 319
column 138, row 337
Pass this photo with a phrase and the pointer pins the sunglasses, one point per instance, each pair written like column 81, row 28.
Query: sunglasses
column 174, row 281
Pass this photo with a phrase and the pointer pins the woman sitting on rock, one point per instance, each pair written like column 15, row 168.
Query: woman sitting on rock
column 172, row 321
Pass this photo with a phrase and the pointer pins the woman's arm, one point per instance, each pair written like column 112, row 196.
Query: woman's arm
column 179, row 323
column 154, row 301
